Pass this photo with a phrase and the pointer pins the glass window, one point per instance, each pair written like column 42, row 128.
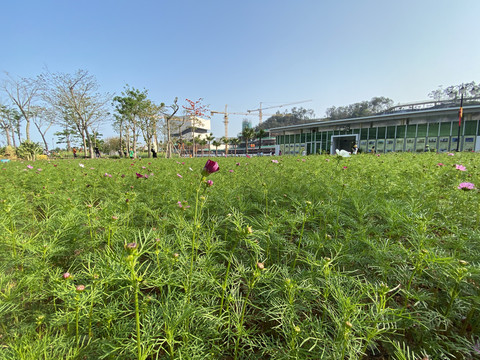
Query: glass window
column 445, row 128
column 297, row 138
column 381, row 132
column 433, row 129
column 411, row 130
column 390, row 132
column 372, row 133
column 470, row 127
column 302, row 138
column 363, row 134
column 309, row 137
column 400, row 131
column 422, row 130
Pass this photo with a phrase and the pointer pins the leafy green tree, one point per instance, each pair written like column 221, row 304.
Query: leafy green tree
column 131, row 107
column 364, row 108
column 452, row 92
column 293, row 117
column 247, row 134
column 209, row 139
column 225, row 141
column 168, row 117
column 235, row 142
column 216, row 144
column 260, row 135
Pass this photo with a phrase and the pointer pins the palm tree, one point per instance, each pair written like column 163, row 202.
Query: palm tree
column 235, row 142
column 202, row 143
column 247, row 134
column 209, row 138
column 261, row 134
column 225, row 142
column 216, row 144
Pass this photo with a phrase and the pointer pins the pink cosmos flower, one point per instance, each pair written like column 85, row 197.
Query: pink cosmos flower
column 248, row 156
column 275, row 161
column 238, row 164
column 179, row 203
column 466, row 186
column 460, row 167
column 345, row 167
column 139, row 175
column 30, row 166
column 143, row 167
column 67, row 275
column 451, row 154
column 80, row 288
column 230, row 171
column 107, row 175
column 210, row 167
column 180, row 176
column 209, row 183
column 440, row 164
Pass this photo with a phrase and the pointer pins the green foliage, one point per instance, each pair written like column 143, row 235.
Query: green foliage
column 364, row 108
column 367, row 257
column 28, row 150
column 293, row 117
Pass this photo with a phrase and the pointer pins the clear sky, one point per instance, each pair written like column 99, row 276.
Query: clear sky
column 245, row 52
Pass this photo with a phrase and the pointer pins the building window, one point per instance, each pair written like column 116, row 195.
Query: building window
column 422, row 130
column 445, row 128
column 381, row 132
column 390, row 132
column 401, row 132
column 470, row 127
column 411, row 131
column 433, row 129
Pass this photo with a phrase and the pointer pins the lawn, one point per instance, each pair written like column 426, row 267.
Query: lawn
column 320, row 257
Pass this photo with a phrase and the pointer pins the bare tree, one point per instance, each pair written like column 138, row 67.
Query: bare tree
column 76, row 96
column 24, row 93
column 43, row 119
column 168, row 117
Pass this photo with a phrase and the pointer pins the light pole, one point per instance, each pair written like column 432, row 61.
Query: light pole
column 462, row 91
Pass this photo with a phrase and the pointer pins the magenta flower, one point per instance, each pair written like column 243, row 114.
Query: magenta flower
column 107, row 175
column 238, row 164
column 139, row 175
column 440, row 164
column 179, row 203
column 248, row 156
column 345, row 167
column 210, row 167
column 230, row 171
column 466, row 186
column 460, row 167
column 180, row 176
column 209, row 183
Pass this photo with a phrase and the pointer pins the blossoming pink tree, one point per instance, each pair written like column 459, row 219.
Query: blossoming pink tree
column 194, row 110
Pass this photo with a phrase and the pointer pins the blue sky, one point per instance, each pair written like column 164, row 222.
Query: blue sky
column 242, row 53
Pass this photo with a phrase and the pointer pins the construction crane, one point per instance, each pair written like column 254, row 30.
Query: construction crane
column 260, row 109
column 225, row 117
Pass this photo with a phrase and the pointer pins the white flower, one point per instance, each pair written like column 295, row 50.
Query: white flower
column 81, row 165
column 342, row 153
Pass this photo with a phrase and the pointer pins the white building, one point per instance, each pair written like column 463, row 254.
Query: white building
column 186, row 127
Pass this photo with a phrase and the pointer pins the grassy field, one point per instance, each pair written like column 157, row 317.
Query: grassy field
column 321, row 257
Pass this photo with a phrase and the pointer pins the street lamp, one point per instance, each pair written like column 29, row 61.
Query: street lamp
column 462, row 91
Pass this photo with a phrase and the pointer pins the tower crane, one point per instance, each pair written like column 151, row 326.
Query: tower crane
column 225, row 117
column 260, row 109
